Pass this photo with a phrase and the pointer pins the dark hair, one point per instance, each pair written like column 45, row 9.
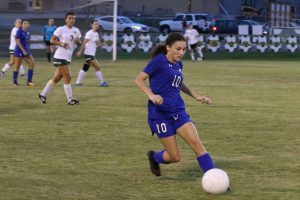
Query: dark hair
column 24, row 20
column 92, row 22
column 68, row 13
column 171, row 39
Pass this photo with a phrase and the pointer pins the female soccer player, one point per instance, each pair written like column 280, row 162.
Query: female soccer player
column 48, row 33
column 66, row 37
column 12, row 47
column 90, row 44
column 22, row 52
column 192, row 37
column 166, row 110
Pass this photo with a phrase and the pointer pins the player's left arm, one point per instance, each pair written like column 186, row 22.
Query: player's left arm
column 184, row 88
column 82, row 47
column 18, row 42
column 99, row 43
column 78, row 41
column 77, row 38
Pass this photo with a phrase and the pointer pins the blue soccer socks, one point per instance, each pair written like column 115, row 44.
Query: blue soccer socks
column 159, row 157
column 205, row 162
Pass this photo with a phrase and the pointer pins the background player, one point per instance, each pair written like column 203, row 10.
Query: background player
column 12, row 47
column 89, row 45
column 48, row 33
column 66, row 37
column 192, row 37
column 22, row 52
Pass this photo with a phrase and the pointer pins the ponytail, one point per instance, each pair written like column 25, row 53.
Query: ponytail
column 171, row 39
column 159, row 49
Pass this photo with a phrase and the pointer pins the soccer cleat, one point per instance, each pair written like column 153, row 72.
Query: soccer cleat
column 22, row 75
column 30, row 84
column 1, row 74
column 104, row 84
column 42, row 98
column 16, row 84
column 154, row 166
column 74, row 102
column 78, row 84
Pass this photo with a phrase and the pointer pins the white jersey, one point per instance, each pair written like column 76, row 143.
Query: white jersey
column 192, row 36
column 13, row 33
column 66, row 35
column 91, row 45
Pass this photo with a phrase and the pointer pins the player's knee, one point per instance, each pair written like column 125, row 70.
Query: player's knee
column 175, row 157
column 85, row 67
column 97, row 68
column 67, row 78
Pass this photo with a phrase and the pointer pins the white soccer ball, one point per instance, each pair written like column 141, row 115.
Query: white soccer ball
column 215, row 181
column 199, row 59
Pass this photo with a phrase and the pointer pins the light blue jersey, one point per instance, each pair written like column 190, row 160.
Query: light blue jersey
column 48, row 32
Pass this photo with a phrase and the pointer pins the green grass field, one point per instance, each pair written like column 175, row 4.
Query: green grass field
column 97, row 150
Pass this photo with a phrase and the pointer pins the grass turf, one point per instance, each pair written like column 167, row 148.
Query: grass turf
column 97, row 150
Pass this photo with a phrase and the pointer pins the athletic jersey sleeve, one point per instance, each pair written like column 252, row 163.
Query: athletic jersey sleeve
column 18, row 34
column 44, row 30
column 195, row 33
column 14, row 32
column 185, row 34
column 88, row 35
column 78, row 35
column 153, row 66
column 58, row 32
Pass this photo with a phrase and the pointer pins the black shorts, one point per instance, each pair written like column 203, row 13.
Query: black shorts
column 47, row 43
column 193, row 46
column 88, row 58
column 60, row 62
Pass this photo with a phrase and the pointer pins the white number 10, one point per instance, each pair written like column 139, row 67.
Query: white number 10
column 176, row 81
column 161, row 128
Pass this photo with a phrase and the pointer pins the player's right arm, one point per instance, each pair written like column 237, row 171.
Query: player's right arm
column 82, row 47
column 140, row 82
column 54, row 40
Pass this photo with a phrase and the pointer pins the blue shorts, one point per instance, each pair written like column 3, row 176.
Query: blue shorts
column 19, row 53
column 167, row 127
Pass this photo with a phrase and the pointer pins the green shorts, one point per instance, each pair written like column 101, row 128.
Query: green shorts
column 60, row 62
column 88, row 58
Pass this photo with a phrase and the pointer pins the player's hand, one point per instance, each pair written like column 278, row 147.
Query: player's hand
column 78, row 53
column 25, row 53
column 64, row 45
column 204, row 99
column 78, row 41
column 156, row 99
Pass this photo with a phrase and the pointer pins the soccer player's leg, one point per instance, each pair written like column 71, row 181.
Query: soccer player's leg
column 51, row 83
column 82, row 72
column 48, row 49
column 188, row 132
column 18, row 62
column 171, row 152
column 31, row 64
column 65, row 71
column 98, row 73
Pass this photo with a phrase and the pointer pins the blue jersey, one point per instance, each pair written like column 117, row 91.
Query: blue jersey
column 48, row 32
column 165, row 80
column 24, row 37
